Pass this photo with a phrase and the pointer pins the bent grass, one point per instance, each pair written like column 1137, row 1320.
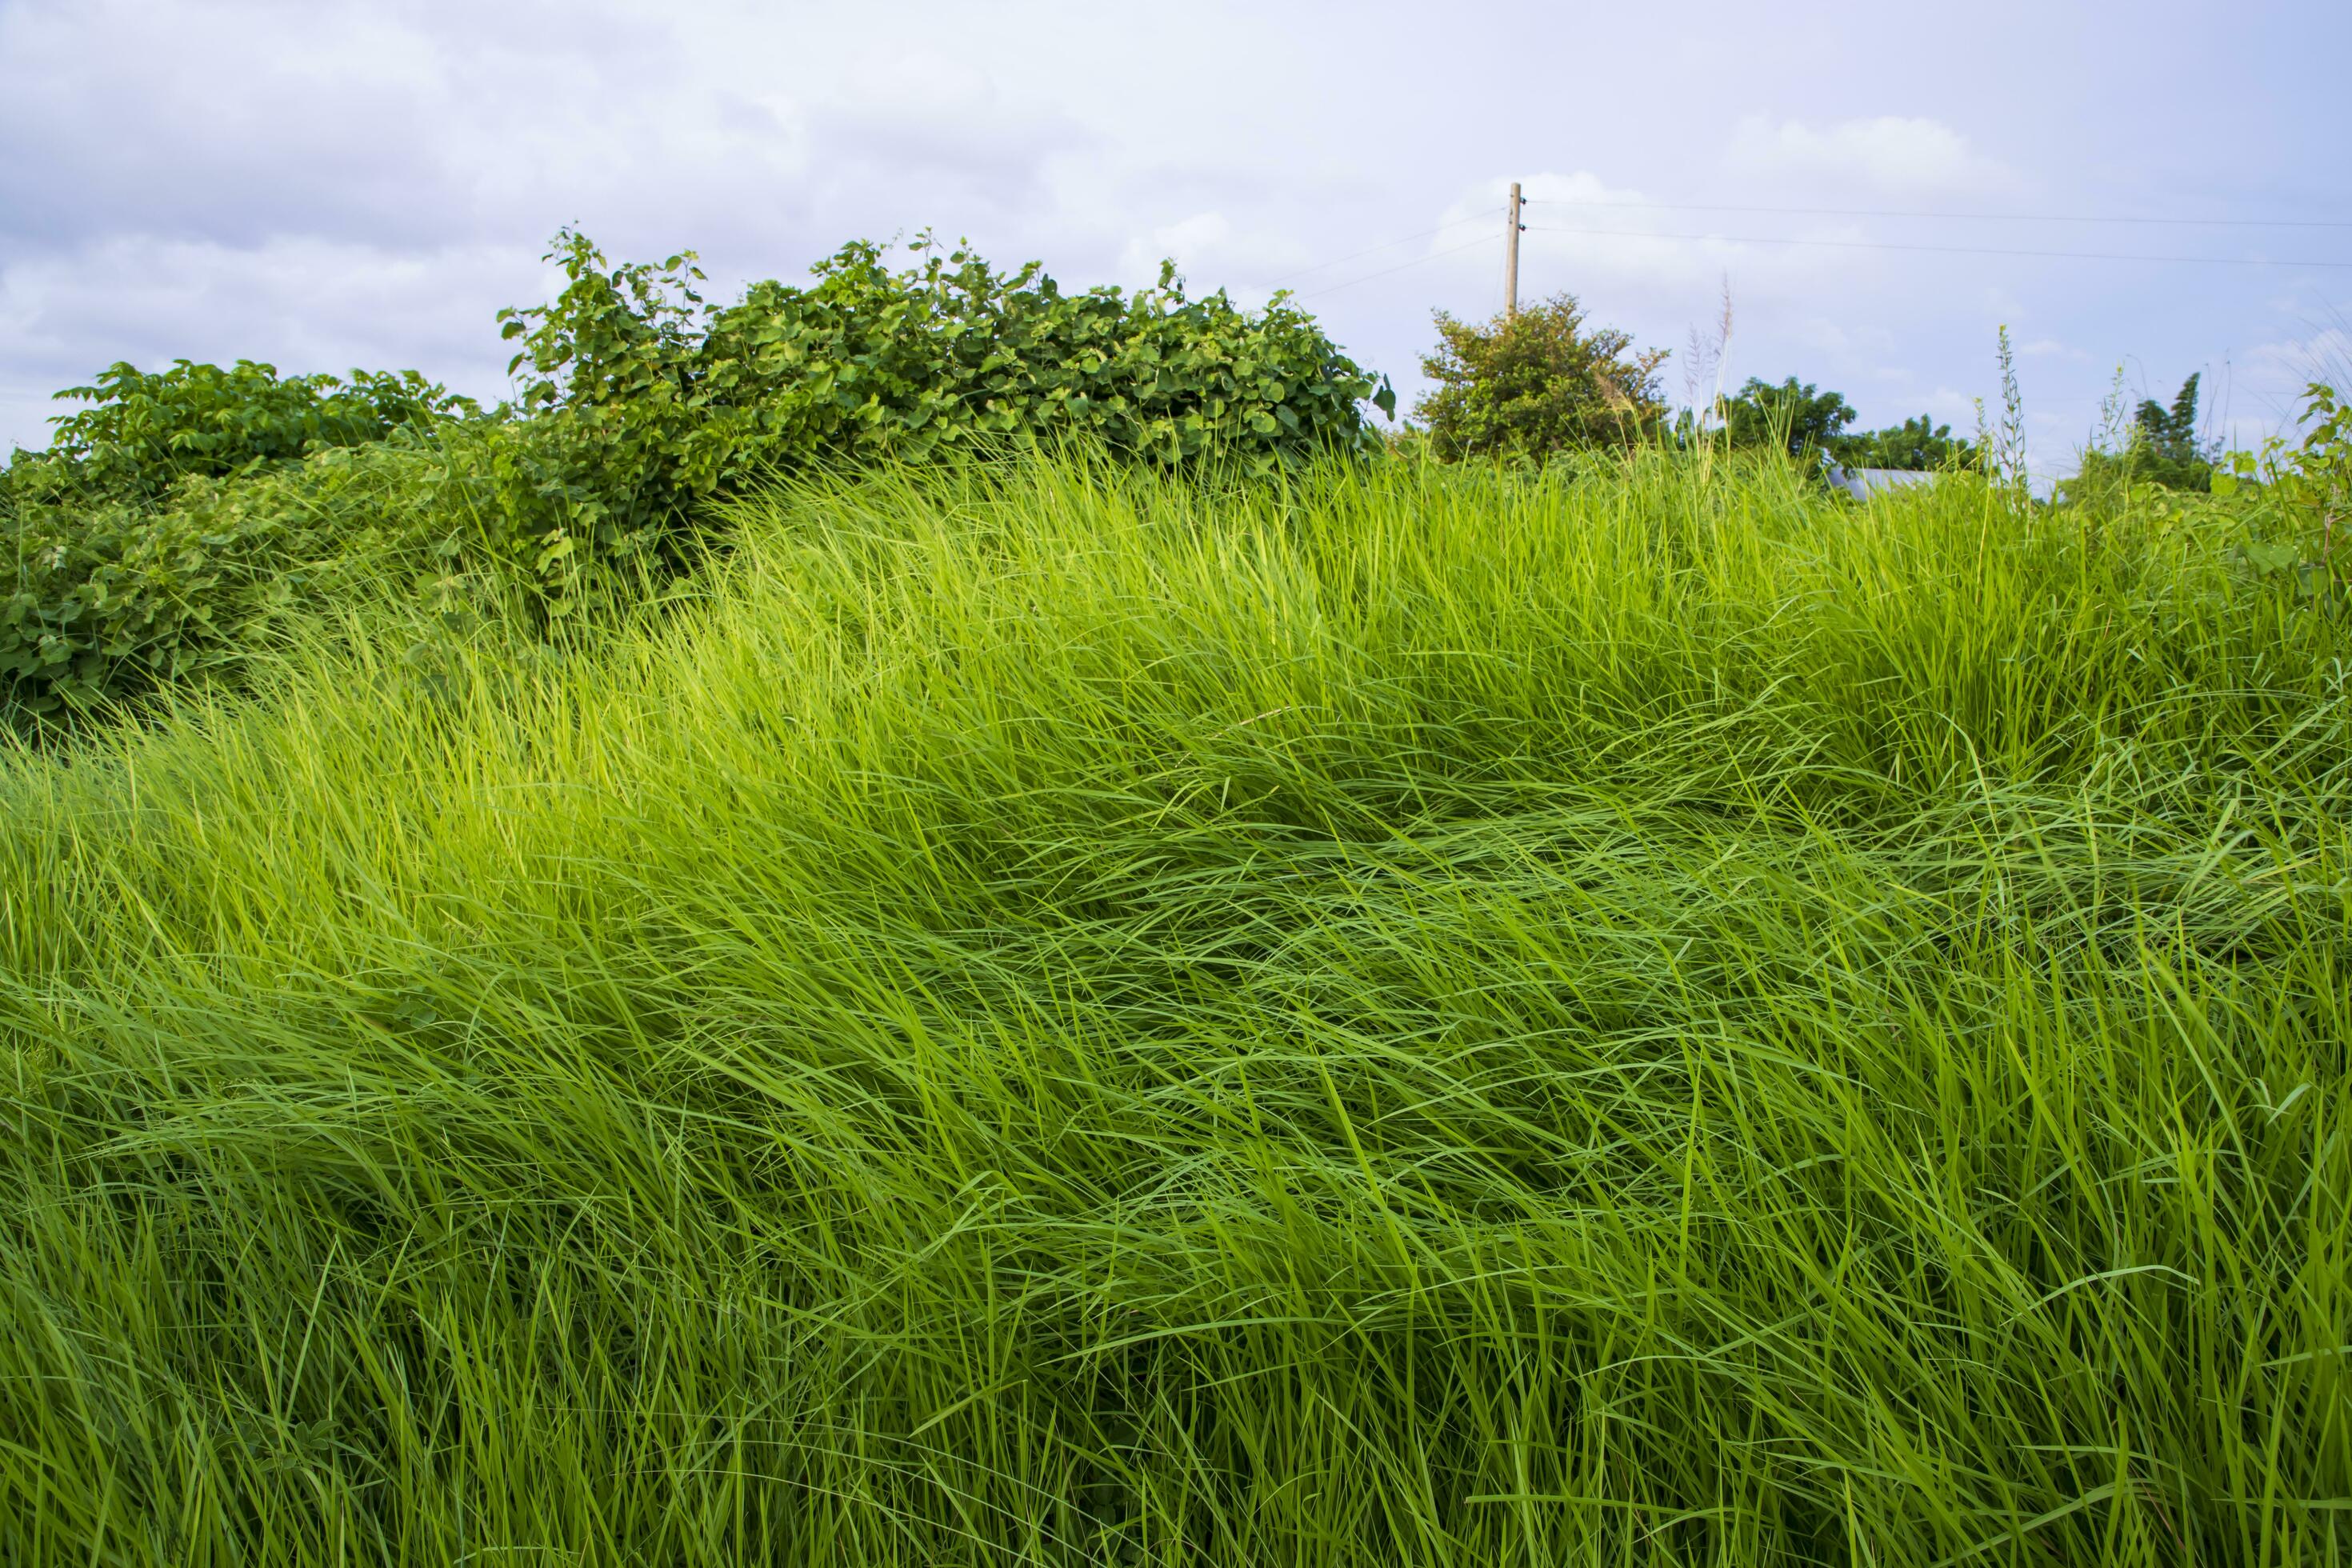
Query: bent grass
column 1064, row 1017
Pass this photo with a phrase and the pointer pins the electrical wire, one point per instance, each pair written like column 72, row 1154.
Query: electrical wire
column 1944, row 249
column 1486, row 216
column 1982, row 217
column 1416, row 261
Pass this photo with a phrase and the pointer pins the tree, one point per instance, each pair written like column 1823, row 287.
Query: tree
column 1792, row 416
column 2160, row 447
column 1538, row 383
column 1917, row 444
column 2164, row 447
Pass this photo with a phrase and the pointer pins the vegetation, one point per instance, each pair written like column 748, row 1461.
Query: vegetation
column 1791, row 416
column 1537, row 385
column 1070, row 1014
column 1812, row 426
column 919, row 919
column 143, row 433
column 2161, row 446
column 180, row 520
column 1918, row 445
column 653, row 395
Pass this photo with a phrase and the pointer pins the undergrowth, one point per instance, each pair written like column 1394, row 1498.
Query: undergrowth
column 1057, row 1016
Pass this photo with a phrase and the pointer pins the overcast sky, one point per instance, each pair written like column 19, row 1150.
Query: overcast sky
column 324, row 186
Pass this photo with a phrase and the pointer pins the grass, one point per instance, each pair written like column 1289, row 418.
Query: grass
column 1063, row 1018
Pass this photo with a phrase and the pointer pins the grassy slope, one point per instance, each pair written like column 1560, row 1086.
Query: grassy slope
column 1663, row 1022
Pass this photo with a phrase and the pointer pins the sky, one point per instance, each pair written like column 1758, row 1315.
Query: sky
column 322, row 186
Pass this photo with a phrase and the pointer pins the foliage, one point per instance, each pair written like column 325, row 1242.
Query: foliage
column 2295, row 500
column 1812, row 426
column 1793, row 418
column 649, row 391
column 105, row 602
column 184, row 513
column 1623, row 1022
column 2160, row 447
column 145, row 431
column 2168, row 444
column 1917, row 444
column 1537, row 385
column 175, row 524
column 107, row 599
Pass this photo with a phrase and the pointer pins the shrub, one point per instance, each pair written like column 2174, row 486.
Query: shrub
column 1791, row 416
column 1537, row 385
column 650, row 393
column 2295, row 500
column 176, row 518
column 2161, row 447
column 101, row 601
column 1813, row 425
column 109, row 598
column 145, row 431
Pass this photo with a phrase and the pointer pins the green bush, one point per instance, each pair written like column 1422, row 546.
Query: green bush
column 1813, row 427
column 652, row 398
column 104, row 600
column 145, row 431
column 180, row 514
column 1792, row 416
column 2292, row 501
column 183, row 512
column 1538, row 383
column 1917, row 444
column 107, row 599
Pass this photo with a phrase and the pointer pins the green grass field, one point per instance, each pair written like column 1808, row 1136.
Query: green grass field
column 1063, row 1018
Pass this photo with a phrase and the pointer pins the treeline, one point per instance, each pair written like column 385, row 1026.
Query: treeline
column 181, row 519
column 1543, row 382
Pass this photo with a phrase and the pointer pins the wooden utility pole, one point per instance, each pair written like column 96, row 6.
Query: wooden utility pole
column 1511, row 256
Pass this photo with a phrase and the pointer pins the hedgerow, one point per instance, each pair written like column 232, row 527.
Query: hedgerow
column 176, row 518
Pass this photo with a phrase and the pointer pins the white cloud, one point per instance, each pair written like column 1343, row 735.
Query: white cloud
column 2326, row 355
column 1616, row 248
column 1888, row 154
column 1209, row 249
column 1947, row 405
column 329, row 183
column 2272, row 378
column 300, row 302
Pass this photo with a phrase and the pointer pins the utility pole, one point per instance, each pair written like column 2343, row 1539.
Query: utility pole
column 1511, row 256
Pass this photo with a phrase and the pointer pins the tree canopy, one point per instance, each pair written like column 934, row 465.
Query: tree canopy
column 1792, row 416
column 2161, row 447
column 1918, row 444
column 1536, row 383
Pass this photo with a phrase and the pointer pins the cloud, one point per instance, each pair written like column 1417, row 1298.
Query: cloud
column 2273, row 377
column 1888, row 154
column 331, row 182
column 1611, row 246
column 301, row 302
column 1208, row 248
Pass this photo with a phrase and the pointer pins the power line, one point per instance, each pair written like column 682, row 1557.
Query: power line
column 1944, row 249
column 1984, row 218
column 1386, row 245
column 1416, row 261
